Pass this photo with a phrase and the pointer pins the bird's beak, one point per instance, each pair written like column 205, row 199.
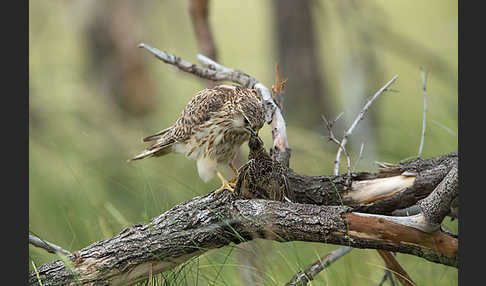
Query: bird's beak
column 252, row 132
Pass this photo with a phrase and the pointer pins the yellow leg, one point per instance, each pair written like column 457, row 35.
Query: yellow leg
column 225, row 184
column 233, row 181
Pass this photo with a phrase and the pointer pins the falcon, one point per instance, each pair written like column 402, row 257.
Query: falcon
column 210, row 130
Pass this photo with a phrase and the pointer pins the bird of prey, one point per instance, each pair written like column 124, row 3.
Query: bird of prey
column 210, row 130
column 262, row 177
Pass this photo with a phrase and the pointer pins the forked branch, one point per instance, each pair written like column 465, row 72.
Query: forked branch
column 203, row 223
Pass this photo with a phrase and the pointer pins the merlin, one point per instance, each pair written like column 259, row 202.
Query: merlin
column 210, row 130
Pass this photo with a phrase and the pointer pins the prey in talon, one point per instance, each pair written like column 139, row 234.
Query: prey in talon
column 262, row 177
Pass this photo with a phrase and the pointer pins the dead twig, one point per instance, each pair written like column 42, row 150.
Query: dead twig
column 308, row 274
column 46, row 245
column 395, row 267
column 424, row 76
column 359, row 156
column 447, row 129
column 357, row 120
column 387, row 276
column 278, row 87
column 332, row 137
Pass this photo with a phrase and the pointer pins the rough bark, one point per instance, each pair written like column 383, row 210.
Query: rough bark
column 333, row 190
column 209, row 222
column 438, row 204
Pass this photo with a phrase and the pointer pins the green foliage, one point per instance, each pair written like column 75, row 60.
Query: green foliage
column 81, row 189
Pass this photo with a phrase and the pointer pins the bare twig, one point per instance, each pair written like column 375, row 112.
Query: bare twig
column 387, row 276
column 359, row 156
column 357, row 120
column 424, row 87
column 278, row 87
column 46, row 245
column 207, row 73
column 308, row 274
column 395, row 267
column 332, row 137
column 447, row 129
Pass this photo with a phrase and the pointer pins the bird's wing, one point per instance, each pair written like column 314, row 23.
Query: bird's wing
column 196, row 113
column 200, row 109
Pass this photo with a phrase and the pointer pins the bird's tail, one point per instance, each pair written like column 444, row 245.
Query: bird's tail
column 159, row 148
column 153, row 152
column 157, row 135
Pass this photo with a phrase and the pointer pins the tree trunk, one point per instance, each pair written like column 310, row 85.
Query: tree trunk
column 297, row 57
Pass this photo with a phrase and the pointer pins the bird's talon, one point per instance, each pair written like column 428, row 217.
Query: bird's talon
column 225, row 186
column 233, row 181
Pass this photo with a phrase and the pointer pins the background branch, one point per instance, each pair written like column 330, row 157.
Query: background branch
column 198, row 9
column 357, row 120
column 424, row 88
column 48, row 246
column 199, row 17
column 308, row 274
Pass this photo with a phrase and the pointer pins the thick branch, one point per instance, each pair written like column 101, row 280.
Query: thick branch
column 397, row 187
column 438, row 204
column 204, row 223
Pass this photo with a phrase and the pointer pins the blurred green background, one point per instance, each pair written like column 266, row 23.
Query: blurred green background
column 94, row 94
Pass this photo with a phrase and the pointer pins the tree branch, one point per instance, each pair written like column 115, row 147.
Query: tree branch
column 308, row 274
column 357, row 120
column 424, row 87
column 395, row 267
column 203, row 223
column 46, row 245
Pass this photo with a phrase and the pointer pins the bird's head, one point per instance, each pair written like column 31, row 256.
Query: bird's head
column 250, row 115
